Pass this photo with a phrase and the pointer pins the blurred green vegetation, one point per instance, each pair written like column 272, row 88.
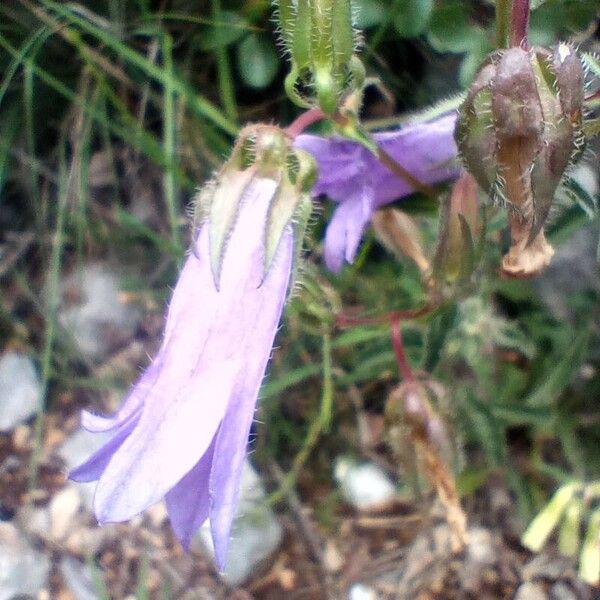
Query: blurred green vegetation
column 105, row 101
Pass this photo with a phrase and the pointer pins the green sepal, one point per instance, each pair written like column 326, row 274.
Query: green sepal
column 321, row 34
column 281, row 211
column 467, row 258
column 286, row 16
column 289, row 204
column 555, row 154
column 201, row 204
column 357, row 72
column 342, row 33
column 300, row 223
column 224, row 208
column 301, row 45
column 289, row 85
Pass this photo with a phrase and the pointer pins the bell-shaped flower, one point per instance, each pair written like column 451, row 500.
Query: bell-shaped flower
column 183, row 430
column 353, row 177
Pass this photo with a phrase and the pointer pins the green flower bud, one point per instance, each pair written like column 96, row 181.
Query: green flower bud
column 321, row 42
column 518, row 131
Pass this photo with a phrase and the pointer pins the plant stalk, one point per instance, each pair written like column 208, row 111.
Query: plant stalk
column 519, row 23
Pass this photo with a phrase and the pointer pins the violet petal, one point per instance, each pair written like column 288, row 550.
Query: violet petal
column 188, row 501
column 94, row 466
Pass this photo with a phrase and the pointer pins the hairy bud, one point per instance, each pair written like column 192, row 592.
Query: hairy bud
column 519, row 129
column 321, row 42
column 261, row 152
column 460, row 226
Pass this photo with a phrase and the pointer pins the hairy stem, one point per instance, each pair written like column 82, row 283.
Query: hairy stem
column 519, row 23
column 503, row 17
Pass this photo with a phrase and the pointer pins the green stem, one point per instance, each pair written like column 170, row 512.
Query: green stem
column 503, row 19
column 169, row 142
column 224, row 71
column 52, row 308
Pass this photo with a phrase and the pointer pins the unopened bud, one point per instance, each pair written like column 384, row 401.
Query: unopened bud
column 459, row 227
column 321, row 42
column 410, row 405
column 519, row 129
column 400, row 235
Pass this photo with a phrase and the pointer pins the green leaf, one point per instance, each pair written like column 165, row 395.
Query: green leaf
column 557, row 19
column 413, row 18
column 229, row 30
column 471, row 479
column 258, row 61
column 451, row 31
column 439, row 328
column 369, row 13
column 562, row 372
column 277, row 386
column 472, row 60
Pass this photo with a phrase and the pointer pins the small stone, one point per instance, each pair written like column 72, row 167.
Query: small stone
column 23, row 570
column 21, row 438
column 544, row 566
column 79, row 579
column 86, row 541
column 359, row 591
column 481, row 549
column 198, row 593
column 256, row 532
column 364, row 486
column 332, row 558
column 561, row 591
column 531, row 591
column 20, row 389
column 35, row 520
column 63, row 508
column 94, row 312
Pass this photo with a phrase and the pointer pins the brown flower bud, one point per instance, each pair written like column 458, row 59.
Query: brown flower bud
column 519, row 129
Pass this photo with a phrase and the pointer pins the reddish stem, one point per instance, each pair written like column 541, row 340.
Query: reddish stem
column 403, row 364
column 306, row 119
column 344, row 320
column 519, row 23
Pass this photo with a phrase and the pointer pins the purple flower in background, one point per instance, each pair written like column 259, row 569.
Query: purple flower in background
column 350, row 175
column 183, row 430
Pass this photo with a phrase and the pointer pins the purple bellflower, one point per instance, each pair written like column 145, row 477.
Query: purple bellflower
column 353, row 177
column 182, row 432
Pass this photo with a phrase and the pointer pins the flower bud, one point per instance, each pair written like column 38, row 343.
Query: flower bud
column 519, row 129
column 459, row 227
column 261, row 152
column 409, row 405
column 321, row 42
